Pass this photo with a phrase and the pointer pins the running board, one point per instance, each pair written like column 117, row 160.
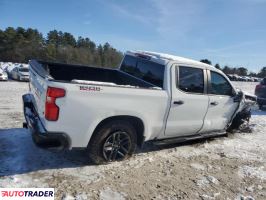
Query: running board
column 187, row 138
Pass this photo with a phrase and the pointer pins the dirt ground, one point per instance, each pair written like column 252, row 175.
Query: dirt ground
column 232, row 167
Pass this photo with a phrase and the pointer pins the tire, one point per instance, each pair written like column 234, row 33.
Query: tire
column 114, row 141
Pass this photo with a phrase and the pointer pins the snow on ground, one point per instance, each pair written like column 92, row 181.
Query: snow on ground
column 232, row 167
column 11, row 103
column 248, row 87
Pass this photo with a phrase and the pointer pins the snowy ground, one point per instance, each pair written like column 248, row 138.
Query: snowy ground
column 232, row 167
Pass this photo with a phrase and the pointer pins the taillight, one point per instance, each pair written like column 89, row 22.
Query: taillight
column 51, row 109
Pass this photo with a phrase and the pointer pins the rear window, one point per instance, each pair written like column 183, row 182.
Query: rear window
column 144, row 69
column 191, row 79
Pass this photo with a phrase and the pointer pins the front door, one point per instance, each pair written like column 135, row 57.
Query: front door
column 221, row 106
column 189, row 102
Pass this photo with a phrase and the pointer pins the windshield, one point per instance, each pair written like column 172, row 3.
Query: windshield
column 24, row 70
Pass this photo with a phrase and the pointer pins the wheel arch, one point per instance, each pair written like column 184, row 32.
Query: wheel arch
column 137, row 123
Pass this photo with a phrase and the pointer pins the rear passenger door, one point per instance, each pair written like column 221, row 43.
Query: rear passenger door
column 189, row 101
column 222, row 105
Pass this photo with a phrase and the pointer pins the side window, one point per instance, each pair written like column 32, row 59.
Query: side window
column 191, row 79
column 144, row 69
column 129, row 65
column 150, row 72
column 219, row 85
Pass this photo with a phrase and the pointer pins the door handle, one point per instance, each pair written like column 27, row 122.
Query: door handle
column 180, row 102
column 214, row 103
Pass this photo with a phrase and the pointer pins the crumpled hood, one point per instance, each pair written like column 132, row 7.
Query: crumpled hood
column 246, row 100
column 250, row 98
column 242, row 113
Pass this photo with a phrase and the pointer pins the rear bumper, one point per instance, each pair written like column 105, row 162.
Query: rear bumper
column 41, row 137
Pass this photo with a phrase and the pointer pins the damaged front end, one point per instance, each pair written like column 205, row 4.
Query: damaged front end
column 241, row 116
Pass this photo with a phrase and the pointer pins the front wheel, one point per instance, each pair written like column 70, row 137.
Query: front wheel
column 114, row 141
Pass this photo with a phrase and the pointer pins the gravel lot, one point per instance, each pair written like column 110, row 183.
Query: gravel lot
column 232, row 167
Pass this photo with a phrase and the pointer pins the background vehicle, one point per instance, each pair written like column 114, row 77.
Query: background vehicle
column 3, row 76
column 256, row 79
column 152, row 96
column 20, row 73
column 8, row 69
column 235, row 77
column 260, row 92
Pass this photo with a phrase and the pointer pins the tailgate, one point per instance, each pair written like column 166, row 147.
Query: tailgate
column 38, row 89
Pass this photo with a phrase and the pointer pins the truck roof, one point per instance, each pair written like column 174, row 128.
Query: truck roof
column 163, row 58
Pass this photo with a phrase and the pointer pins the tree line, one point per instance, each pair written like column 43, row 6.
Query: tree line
column 20, row 45
column 241, row 71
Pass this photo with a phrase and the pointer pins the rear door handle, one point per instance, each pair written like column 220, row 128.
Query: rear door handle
column 179, row 102
column 214, row 103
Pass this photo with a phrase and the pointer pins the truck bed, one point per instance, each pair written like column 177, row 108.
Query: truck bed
column 68, row 73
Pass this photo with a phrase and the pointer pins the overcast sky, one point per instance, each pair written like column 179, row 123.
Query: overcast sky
column 229, row 32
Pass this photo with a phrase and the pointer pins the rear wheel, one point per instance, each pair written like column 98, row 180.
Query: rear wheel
column 114, row 141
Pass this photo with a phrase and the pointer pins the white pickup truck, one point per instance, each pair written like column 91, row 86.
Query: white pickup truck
column 152, row 96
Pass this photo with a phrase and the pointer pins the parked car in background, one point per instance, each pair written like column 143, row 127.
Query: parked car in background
column 260, row 92
column 3, row 76
column 249, row 79
column 256, row 79
column 20, row 74
column 235, row 77
column 8, row 69
column 242, row 78
column 231, row 77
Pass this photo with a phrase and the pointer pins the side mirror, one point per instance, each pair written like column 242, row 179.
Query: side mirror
column 239, row 96
column 234, row 92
